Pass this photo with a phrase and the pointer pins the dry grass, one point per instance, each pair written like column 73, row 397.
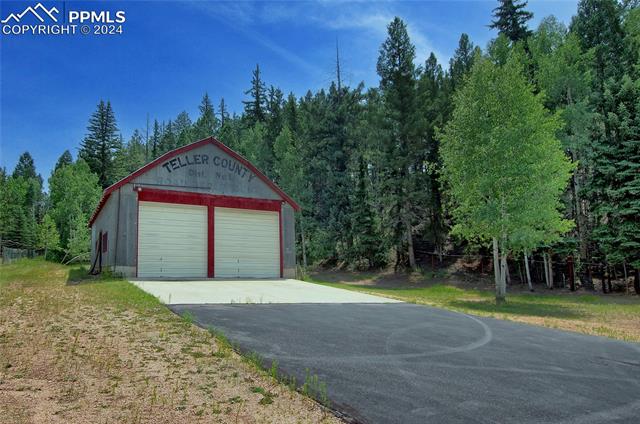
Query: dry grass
column 615, row 316
column 103, row 351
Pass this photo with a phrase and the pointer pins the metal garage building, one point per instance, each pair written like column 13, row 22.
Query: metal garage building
column 199, row 211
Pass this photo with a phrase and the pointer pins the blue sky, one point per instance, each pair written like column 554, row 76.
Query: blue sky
column 172, row 52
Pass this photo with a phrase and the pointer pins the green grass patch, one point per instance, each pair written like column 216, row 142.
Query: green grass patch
column 611, row 316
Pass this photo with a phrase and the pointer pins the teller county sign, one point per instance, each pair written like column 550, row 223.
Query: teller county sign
column 230, row 165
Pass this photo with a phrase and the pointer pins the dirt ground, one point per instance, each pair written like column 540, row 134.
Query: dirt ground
column 101, row 352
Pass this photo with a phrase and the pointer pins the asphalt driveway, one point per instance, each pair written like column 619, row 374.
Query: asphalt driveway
column 404, row 363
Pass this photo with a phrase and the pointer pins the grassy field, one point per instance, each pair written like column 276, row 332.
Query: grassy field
column 614, row 316
column 74, row 350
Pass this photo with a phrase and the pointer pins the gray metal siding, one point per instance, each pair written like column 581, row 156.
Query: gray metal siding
column 230, row 180
column 221, row 175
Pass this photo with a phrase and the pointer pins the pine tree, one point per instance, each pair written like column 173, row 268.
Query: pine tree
column 254, row 108
column 99, row 145
column 64, row 160
column 615, row 184
column 434, row 109
column 156, row 136
column 510, row 18
column 207, row 124
column 223, row 112
column 598, row 26
column 367, row 246
column 13, row 212
column 168, row 140
column 290, row 113
column 462, row 61
column 183, row 129
column 399, row 147
column 32, row 204
column 25, row 167
column 273, row 123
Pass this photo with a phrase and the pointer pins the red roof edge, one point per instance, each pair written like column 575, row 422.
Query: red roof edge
column 107, row 191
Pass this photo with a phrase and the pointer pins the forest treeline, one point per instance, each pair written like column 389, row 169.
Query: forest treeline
column 430, row 161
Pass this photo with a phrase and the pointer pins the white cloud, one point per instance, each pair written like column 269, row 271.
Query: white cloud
column 368, row 20
column 242, row 17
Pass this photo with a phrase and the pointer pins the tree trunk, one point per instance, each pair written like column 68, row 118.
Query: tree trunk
column 626, row 283
column 412, row 257
column 545, row 269
column 588, row 279
column 507, row 273
column 496, row 265
column 572, row 275
column 526, row 266
column 550, row 265
column 636, row 282
column 501, row 292
column 603, row 279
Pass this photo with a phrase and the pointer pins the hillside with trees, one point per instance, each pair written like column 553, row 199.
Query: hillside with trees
column 523, row 155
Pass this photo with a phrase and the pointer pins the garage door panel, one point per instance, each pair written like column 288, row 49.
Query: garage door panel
column 172, row 240
column 247, row 243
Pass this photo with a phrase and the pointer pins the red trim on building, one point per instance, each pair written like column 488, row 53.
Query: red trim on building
column 211, row 241
column 107, row 192
column 281, row 255
column 137, row 229
column 203, row 199
column 211, row 201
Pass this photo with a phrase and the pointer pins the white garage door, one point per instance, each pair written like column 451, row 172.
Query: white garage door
column 172, row 240
column 247, row 243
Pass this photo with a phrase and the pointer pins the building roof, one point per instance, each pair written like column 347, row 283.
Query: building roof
column 211, row 140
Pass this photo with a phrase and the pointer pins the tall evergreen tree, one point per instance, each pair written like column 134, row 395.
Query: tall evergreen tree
column 168, row 140
column 223, row 112
column 434, row 109
column 99, row 145
column 615, row 184
column 510, row 19
column 207, row 123
column 183, row 129
column 25, row 168
column 64, row 160
column 598, row 26
column 154, row 140
column 399, row 148
column 254, row 108
column 13, row 214
column 367, row 248
column 32, row 203
column 462, row 60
